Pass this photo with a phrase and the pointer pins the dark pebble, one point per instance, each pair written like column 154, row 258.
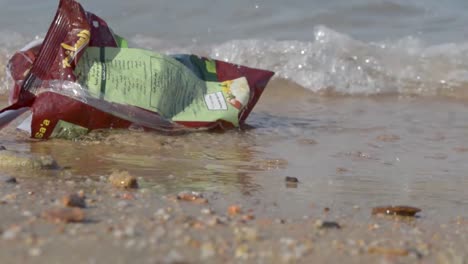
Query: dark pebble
column 329, row 225
column 291, row 179
column 2, row 148
column 401, row 210
column 8, row 179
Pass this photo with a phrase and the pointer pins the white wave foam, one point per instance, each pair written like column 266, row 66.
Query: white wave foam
column 336, row 62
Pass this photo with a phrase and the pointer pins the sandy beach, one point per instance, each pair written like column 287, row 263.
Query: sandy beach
column 348, row 158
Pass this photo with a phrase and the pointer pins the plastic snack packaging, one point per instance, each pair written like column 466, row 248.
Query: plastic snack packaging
column 83, row 76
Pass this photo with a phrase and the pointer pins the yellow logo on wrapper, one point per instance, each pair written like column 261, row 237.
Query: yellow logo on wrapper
column 42, row 129
column 71, row 51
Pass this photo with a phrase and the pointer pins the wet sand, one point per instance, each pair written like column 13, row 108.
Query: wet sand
column 349, row 154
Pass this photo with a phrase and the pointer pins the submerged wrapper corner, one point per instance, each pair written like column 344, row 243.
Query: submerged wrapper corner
column 84, row 77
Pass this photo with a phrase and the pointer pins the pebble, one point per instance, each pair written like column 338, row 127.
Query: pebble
column 2, row 148
column 215, row 220
column 34, row 252
column 327, row 225
column 194, row 197
column 27, row 213
column 388, row 138
column 7, row 179
column 234, row 210
column 291, row 179
column 74, row 200
column 206, row 211
column 388, row 251
column 123, row 179
column 291, row 182
column 401, row 210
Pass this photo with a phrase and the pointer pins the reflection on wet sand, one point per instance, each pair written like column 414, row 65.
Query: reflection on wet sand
column 204, row 162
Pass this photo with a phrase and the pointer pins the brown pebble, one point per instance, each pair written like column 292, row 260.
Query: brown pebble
column 388, row 138
column 248, row 217
column 64, row 215
column 289, row 179
column 123, row 179
column 2, row 148
column 327, row 225
column 388, row 251
column 193, row 197
column 341, row 170
column 234, row 210
column 74, row 200
column 401, row 210
column 326, row 210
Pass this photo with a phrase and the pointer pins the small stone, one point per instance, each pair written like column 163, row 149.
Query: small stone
column 327, row 225
column 291, row 179
column 2, row 148
column 401, row 210
column 215, row 220
column 234, row 210
column 280, row 221
column 27, row 213
column 388, row 138
column 388, row 251
column 194, row 197
column 7, row 179
column 206, row 211
column 34, row 252
column 341, row 170
column 123, row 179
column 64, row 215
column 248, row 217
column 74, row 200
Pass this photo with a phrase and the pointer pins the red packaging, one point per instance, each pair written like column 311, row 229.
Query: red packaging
column 45, row 81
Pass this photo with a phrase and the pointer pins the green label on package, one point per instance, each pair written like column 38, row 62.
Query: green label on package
column 161, row 84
